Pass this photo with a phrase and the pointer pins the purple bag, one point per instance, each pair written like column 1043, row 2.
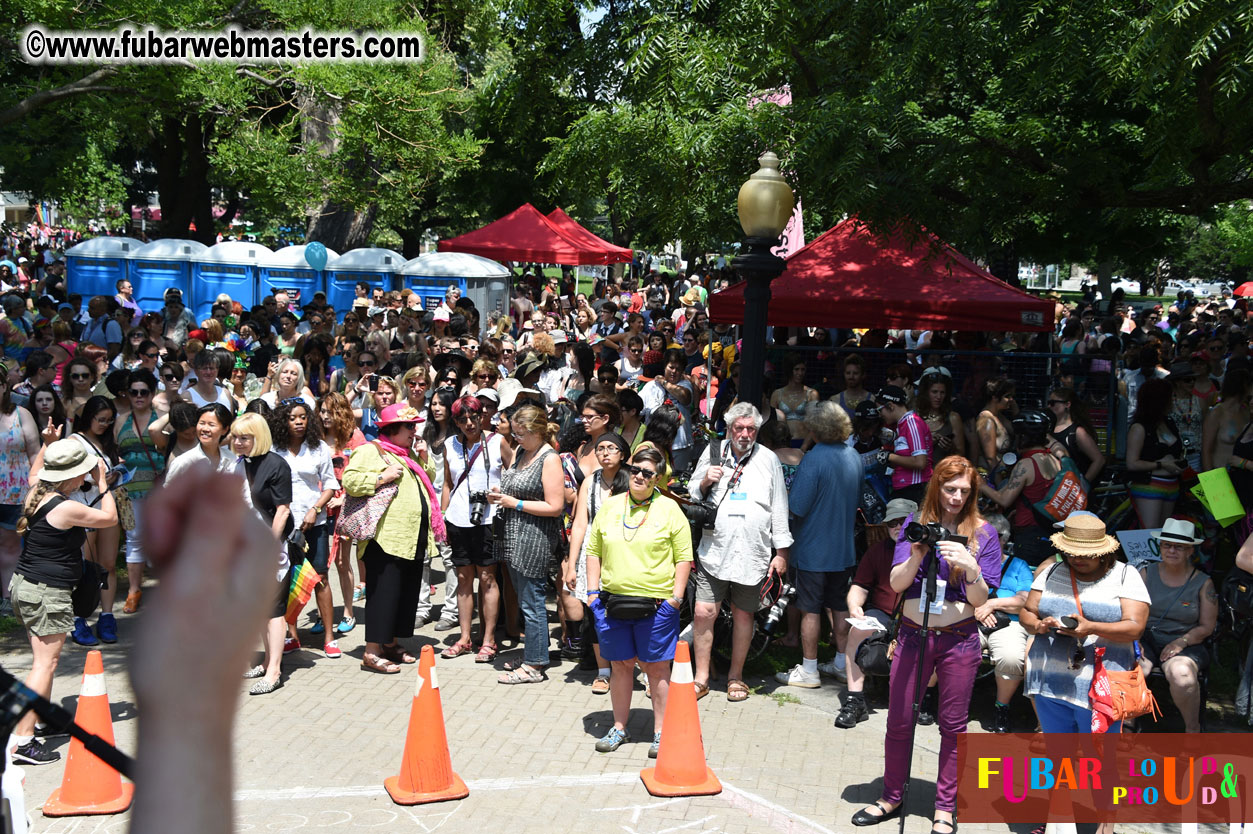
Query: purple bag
column 359, row 518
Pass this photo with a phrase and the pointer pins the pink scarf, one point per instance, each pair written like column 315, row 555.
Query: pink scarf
column 437, row 517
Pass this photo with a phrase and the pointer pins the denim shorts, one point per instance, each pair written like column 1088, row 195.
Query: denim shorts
column 649, row 639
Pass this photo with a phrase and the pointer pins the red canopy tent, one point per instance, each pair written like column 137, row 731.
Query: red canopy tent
column 572, row 229
column 850, row 277
column 526, row 235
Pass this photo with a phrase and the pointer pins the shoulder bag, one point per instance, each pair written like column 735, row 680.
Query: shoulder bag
column 874, row 655
column 359, row 517
column 1129, row 694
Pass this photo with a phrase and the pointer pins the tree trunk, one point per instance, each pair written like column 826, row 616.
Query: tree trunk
column 1105, row 279
column 182, row 162
column 337, row 226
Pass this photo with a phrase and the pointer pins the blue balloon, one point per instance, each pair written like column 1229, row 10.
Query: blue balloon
column 315, row 255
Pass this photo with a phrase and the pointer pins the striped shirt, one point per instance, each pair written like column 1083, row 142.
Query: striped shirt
column 913, row 437
column 1048, row 661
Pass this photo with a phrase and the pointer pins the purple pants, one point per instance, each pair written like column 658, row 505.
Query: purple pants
column 955, row 659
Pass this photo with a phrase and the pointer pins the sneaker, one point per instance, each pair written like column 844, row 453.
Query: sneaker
column 34, row 753
column 796, row 676
column 358, row 593
column 832, row 671
column 106, row 628
column 332, row 649
column 447, row 625
column 1001, row 722
column 46, row 731
column 318, row 626
column 291, row 644
column 926, row 710
column 852, row 713
column 346, row 625
column 613, row 739
column 655, row 746
column 82, row 633
column 572, row 648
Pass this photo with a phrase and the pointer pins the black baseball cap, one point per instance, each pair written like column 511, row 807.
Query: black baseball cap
column 891, row 394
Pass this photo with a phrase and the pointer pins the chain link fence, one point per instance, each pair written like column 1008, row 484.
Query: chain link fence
column 1093, row 379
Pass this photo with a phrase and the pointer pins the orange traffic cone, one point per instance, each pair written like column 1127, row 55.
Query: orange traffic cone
column 681, row 768
column 90, row 786
column 426, row 773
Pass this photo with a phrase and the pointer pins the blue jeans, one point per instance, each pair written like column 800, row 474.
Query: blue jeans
column 532, row 599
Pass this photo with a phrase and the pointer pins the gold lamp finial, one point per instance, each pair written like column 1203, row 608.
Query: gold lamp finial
column 766, row 200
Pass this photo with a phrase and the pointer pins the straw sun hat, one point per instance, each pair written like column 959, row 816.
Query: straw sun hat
column 1084, row 535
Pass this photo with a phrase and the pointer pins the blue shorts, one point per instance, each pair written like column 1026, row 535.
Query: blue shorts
column 650, row 639
column 10, row 514
column 1058, row 716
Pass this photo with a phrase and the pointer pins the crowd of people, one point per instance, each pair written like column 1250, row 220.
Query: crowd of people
column 590, row 454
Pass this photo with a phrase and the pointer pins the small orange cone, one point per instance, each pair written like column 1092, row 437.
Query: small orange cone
column 90, row 786
column 681, row 768
column 426, row 773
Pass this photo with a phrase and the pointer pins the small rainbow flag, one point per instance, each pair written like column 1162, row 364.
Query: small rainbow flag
column 303, row 581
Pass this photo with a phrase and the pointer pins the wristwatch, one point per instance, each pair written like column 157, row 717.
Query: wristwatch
column 678, row 602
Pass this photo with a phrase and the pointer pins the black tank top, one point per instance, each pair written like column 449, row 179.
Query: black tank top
column 1067, row 438
column 51, row 556
column 1242, row 479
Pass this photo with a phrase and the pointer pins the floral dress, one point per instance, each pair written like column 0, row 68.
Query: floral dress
column 14, row 464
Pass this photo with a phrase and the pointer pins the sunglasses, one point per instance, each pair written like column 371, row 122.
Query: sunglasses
column 169, row 377
column 152, row 355
column 80, row 376
column 484, row 376
column 468, row 417
column 508, row 352
column 417, row 383
column 292, row 401
column 1057, row 402
column 1078, row 656
column 367, row 364
column 139, row 392
column 646, row 474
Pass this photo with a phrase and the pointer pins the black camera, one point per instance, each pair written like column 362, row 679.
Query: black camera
column 478, row 506
column 930, row 534
column 703, row 514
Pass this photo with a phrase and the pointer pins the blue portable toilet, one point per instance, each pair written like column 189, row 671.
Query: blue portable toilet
column 94, row 266
column 482, row 280
column 288, row 270
column 228, row 267
column 377, row 267
column 160, row 265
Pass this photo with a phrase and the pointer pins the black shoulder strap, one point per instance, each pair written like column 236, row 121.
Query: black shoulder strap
column 715, row 452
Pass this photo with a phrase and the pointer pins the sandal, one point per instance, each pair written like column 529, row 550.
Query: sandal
column 456, row 650
column 600, row 686
column 487, row 653
column 737, row 691
column 396, row 654
column 702, row 689
column 522, row 674
column 374, row 663
column 952, row 826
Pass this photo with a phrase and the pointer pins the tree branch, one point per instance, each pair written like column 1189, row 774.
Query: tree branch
column 90, row 83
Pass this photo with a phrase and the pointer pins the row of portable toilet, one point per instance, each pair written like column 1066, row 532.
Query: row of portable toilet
column 248, row 272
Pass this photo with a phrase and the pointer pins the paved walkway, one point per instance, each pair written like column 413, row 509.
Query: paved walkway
column 313, row 755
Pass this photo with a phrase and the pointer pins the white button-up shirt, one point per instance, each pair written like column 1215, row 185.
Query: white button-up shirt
column 752, row 519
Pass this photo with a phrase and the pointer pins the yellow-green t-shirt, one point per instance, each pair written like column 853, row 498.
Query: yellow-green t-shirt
column 639, row 562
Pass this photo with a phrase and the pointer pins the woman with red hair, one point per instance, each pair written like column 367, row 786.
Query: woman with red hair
column 965, row 574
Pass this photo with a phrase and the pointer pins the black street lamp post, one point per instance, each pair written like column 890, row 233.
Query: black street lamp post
column 765, row 206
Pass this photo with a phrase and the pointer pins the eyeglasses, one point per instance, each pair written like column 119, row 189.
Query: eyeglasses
column 139, row 392
column 485, row 376
column 640, row 472
column 467, row 417
column 1057, row 402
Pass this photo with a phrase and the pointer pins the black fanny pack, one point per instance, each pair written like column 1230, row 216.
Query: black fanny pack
column 623, row 607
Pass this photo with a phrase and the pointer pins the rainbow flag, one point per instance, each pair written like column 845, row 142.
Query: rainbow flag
column 303, row 581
